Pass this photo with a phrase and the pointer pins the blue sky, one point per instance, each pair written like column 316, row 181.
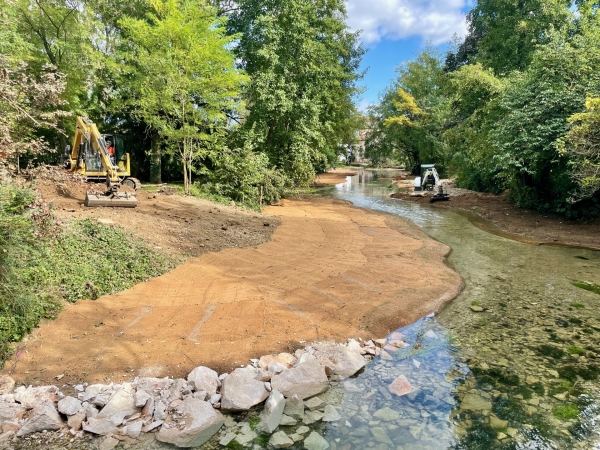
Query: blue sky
column 395, row 30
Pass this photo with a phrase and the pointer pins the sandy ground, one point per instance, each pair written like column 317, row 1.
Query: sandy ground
column 503, row 217
column 173, row 224
column 333, row 177
column 330, row 271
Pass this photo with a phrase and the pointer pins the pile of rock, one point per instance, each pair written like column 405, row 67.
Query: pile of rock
column 187, row 413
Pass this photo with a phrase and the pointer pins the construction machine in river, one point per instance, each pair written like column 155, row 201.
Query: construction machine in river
column 430, row 181
column 101, row 157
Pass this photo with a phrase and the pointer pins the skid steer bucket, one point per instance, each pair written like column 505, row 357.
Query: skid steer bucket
column 111, row 199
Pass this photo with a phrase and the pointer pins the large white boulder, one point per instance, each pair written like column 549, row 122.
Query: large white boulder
column 119, row 406
column 304, row 380
column 343, row 360
column 45, row 417
column 204, row 379
column 201, row 420
column 272, row 412
column 69, row 406
column 32, row 396
column 241, row 390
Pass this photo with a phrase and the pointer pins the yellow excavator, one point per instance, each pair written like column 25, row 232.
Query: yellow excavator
column 101, row 157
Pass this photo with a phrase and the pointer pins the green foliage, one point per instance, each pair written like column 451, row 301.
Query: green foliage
column 302, row 62
column 405, row 127
column 566, row 412
column 508, row 31
column 576, row 351
column 577, row 305
column 182, row 77
column 244, row 176
column 582, row 146
column 41, row 264
column 588, row 286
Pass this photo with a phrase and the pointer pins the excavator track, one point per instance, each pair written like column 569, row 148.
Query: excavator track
column 133, row 183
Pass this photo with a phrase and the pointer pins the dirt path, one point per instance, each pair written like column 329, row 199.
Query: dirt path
column 331, row 271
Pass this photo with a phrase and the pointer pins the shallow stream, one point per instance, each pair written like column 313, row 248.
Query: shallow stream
column 521, row 374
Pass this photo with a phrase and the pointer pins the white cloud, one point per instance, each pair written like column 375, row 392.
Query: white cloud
column 433, row 20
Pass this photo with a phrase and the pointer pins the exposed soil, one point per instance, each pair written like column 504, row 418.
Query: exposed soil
column 173, row 224
column 331, row 271
column 526, row 225
column 333, row 177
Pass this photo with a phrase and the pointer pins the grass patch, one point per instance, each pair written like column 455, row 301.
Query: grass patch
column 474, row 303
column 587, row 286
column 576, row 350
column 577, row 305
column 566, row 412
column 43, row 264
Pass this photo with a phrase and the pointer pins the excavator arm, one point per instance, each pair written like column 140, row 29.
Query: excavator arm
column 87, row 134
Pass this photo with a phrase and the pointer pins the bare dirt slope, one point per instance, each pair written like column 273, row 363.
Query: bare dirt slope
column 331, row 271
column 173, row 224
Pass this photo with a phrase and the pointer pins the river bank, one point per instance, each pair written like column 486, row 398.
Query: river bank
column 531, row 225
column 330, row 271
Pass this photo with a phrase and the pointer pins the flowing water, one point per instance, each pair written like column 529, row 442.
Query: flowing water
column 521, row 374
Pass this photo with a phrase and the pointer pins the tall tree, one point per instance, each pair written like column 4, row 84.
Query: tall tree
column 503, row 34
column 302, row 61
column 182, row 79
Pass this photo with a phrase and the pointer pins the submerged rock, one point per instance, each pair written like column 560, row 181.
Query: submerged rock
column 400, row 386
column 201, row 420
column 271, row 415
column 473, row 402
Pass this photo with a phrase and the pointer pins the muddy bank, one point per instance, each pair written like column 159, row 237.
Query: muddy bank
column 333, row 177
column 330, row 272
column 532, row 226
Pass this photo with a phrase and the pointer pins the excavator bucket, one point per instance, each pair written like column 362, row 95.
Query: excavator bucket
column 111, row 199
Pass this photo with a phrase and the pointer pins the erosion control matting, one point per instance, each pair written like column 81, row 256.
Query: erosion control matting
column 330, row 271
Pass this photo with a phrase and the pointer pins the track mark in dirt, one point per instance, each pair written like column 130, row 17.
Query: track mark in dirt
column 207, row 314
column 223, row 308
column 328, row 295
column 365, row 285
column 134, row 322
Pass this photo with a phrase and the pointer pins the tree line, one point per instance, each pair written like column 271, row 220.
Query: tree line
column 514, row 105
column 248, row 99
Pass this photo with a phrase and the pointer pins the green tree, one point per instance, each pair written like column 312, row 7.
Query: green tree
column 182, row 79
column 407, row 124
column 506, row 32
column 582, row 145
column 302, row 61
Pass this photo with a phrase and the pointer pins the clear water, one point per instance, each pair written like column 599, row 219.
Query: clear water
column 522, row 374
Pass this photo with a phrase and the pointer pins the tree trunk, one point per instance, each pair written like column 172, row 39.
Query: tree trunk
column 155, row 160
column 186, row 184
